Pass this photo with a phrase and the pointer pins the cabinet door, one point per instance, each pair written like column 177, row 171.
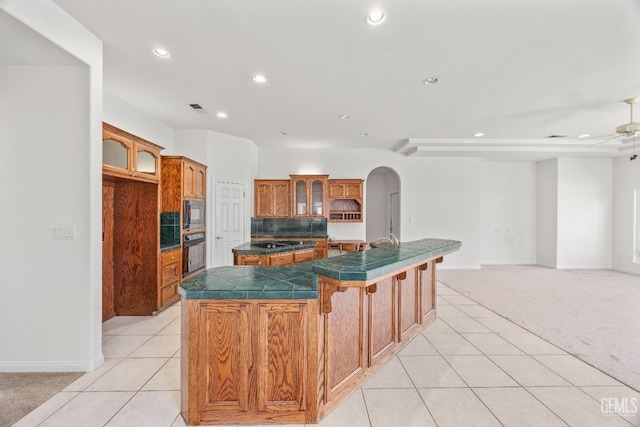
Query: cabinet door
column 222, row 354
column 282, row 360
column 147, row 162
column 353, row 190
column 303, row 256
column 336, row 190
column 300, row 197
column 117, row 155
column 280, row 199
column 199, row 184
column 271, row 198
column 189, row 180
column 309, row 195
column 317, row 198
column 281, row 259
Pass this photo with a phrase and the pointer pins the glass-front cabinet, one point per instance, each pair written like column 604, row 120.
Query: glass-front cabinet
column 309, row 195
column 129, row 156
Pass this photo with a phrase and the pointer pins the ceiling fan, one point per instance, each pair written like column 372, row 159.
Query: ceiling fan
column 626, row 130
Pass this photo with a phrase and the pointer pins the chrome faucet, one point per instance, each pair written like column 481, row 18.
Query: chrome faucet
column 394, row 239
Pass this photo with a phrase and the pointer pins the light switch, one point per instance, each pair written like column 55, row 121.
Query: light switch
column 64, row 233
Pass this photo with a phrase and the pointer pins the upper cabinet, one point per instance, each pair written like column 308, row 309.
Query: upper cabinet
column 345, row 200
column 182, row 178
column 126, row 155
column 309, row 195
column 345, row 188
column 194, row 180
column 271, row 198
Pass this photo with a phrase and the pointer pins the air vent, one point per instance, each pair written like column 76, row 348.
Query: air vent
column 557, row 136
column 198, row 108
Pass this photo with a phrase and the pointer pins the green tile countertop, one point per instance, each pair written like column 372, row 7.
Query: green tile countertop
column 299, row 281
column 169, row 247
column 250, row 248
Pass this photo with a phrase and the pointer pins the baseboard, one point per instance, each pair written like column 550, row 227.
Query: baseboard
column 583, row 267
column 68, row 366
column 441, row 267
column 626, row 270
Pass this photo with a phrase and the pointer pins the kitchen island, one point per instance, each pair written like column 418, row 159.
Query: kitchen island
column 286, row 344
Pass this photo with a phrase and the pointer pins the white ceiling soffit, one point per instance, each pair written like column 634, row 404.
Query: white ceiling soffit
column 519, row 149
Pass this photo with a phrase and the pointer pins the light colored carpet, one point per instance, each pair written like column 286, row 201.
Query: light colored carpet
column 21, row 393
column 592, row 314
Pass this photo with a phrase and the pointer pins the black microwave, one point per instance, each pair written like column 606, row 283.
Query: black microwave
column 193, row 214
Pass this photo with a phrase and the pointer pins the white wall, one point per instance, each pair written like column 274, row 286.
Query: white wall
column 575, row 213
column 547, row 213
column 122, row 115
column 50, row 129
column 626, row 179
column 227, row 157
column 584, row 213
column 435, row 200
column 508, row 213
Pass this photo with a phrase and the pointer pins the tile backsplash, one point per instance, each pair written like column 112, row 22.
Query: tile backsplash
column 169, row 228
column 289, row 227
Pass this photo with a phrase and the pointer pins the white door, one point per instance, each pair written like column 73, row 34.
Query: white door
column 229, row 221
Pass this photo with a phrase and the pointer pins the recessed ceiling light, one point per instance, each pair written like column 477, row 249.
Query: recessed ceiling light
column 162, row 53
column 283, row 133
column 259, row 78
column 364, row 134
column 222, row 115
column 479, row 134
column 375, row 18
column 343, row 116
column 431, row 80
column 584, row 136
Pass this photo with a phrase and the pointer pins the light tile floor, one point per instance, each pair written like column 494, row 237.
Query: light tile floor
column 471, row 367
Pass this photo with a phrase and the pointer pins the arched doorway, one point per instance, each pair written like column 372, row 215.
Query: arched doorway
column 383, row 203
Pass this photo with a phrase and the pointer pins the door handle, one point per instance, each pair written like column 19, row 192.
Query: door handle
column 219, row 237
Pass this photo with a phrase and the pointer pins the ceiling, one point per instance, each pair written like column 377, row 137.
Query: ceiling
column 518, row 72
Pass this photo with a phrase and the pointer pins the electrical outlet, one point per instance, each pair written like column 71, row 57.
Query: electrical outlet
column 64, row 233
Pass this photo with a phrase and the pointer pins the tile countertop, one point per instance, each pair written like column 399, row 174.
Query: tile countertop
column 250, row 248
column 299, row 281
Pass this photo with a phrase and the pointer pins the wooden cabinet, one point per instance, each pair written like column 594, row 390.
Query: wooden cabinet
column 128, row 156
column 271, row 198
column 345, row 200
column 322, row 249
column 130, row 221
column 282, row 258
column 247, row 259
column 182, row 178
column 249, row 362
column 339, row 200
column 309, row 195
column 345, row 188
column 170, row 274
column 265, row 361
column 194, row 180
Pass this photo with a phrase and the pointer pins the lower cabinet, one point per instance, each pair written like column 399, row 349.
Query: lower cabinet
column 293, row 361
column 283, row 258
column 170, row 273
column 254, row 367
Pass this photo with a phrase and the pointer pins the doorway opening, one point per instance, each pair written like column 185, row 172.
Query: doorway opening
column 383, row 204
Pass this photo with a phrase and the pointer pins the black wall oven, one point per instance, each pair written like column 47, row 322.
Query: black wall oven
column 193, row 214
column 193, row 253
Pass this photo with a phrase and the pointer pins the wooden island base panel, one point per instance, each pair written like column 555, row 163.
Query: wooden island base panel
column 287, row 344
